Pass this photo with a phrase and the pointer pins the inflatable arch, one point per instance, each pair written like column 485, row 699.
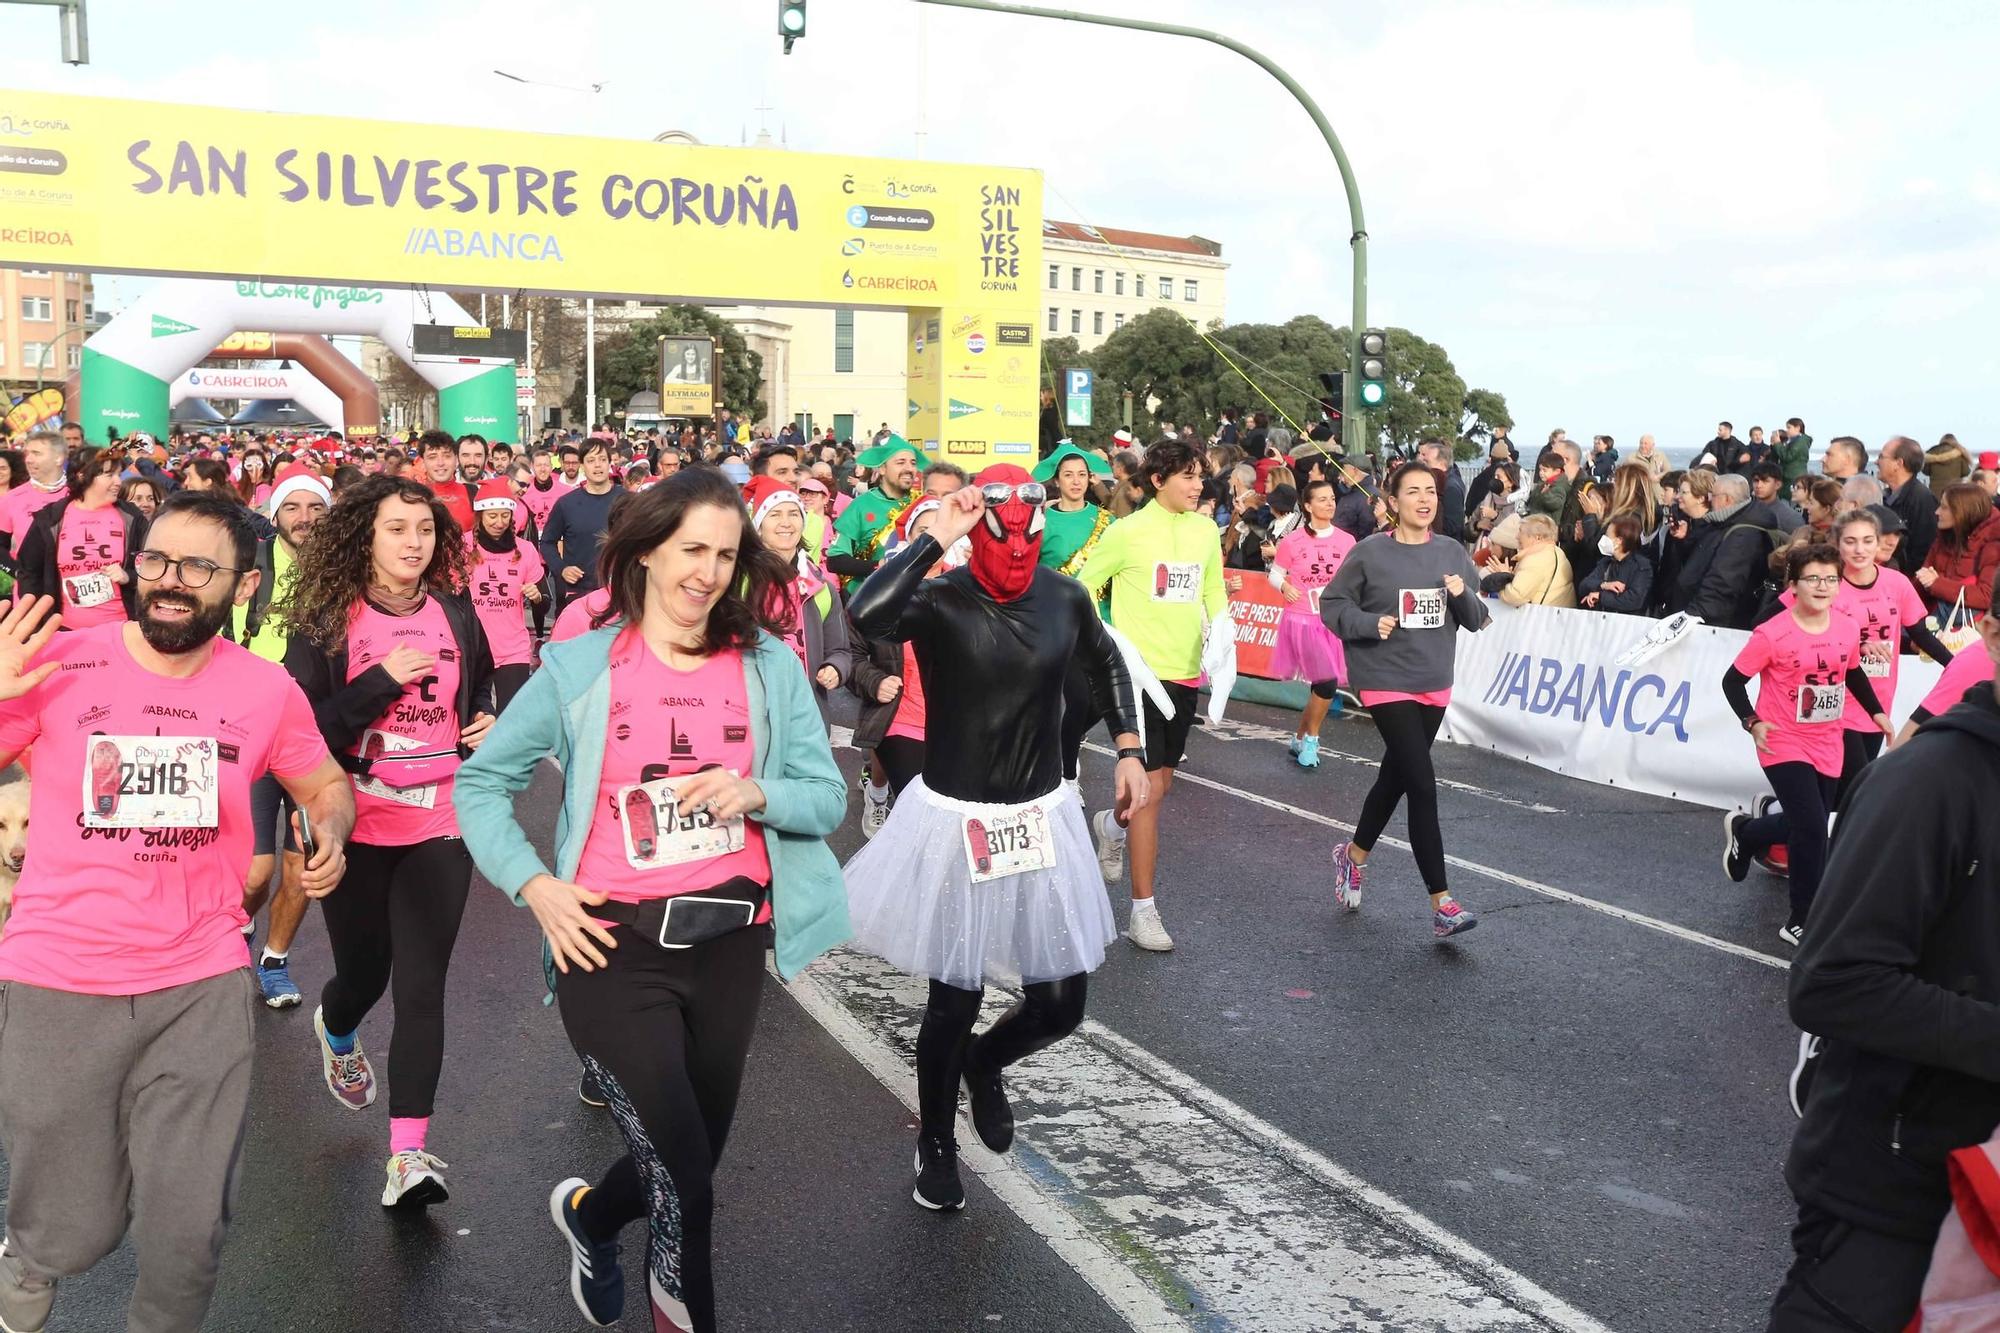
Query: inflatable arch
column 130, row 364
column 258, row 382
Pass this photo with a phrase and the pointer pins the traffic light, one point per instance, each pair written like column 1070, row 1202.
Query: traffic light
column 791, row 21
column 1336, row 387
column 1373, row 368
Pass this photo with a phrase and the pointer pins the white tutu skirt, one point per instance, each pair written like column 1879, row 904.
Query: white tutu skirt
column 914, row 905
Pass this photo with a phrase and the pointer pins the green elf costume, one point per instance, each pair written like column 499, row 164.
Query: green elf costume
column 861, row 529
column 1068, row 535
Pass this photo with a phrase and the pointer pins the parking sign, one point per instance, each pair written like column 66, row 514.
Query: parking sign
column 1076, row 390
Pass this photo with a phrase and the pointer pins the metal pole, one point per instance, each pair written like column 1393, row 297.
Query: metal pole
column 590, row 363
column 1350, row 406
column 75, row 27
column 528, row 432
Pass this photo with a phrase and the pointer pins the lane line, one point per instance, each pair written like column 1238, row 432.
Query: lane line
column 1183, row 1209
column 1488, row 872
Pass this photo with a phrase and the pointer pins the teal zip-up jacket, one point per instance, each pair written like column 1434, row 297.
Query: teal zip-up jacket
column 563, row 711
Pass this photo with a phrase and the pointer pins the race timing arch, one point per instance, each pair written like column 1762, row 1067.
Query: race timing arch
column 133, row 364
column 354, row 225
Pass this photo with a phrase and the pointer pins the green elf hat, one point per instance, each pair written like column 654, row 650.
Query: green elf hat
column 1045, row 470
column 888, row 449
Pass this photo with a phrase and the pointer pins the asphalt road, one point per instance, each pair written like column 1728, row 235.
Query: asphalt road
column 1589, row 1099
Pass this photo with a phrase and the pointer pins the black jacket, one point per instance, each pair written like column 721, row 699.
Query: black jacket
column 345, row 708
column 1483, row 484
column 1918, row 508
column 1635, row 571
column 39, row 572
column 875, row 660
column 1726, row 588
column 1451, row 504
column 1899, row 973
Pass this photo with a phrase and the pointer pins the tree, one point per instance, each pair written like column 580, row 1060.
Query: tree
column 1165, row 366
column 1426, row 395
column 628, row 361
column 1484, row 410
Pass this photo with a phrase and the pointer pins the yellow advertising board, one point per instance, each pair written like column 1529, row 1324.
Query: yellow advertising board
column 115, row 186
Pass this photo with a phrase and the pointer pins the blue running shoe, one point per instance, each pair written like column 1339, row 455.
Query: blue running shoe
column 1308, row 755
column 275, row 980
column 1293, row 746
column 596, row 1282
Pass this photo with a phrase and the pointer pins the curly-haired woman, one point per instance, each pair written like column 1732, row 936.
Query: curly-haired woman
column 391, row 654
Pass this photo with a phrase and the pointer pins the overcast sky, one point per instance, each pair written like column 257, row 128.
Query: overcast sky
column 1627, row 217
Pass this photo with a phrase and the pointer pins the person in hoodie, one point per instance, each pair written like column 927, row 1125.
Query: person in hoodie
column 1726, row 588
column 1897, row 986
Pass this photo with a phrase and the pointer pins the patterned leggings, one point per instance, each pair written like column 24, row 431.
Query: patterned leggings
column 666, row 1033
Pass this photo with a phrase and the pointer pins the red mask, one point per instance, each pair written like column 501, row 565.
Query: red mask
column 1007, row 543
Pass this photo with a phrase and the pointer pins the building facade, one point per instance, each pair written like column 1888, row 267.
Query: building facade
column 45, row 314
column 1095, row 281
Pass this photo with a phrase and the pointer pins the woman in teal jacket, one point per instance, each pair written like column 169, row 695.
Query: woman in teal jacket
column 698, row 790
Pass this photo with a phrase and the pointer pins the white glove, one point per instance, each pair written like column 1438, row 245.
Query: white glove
column 1218, row 663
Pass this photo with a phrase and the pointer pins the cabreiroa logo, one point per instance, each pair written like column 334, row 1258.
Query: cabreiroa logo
column 959, row 409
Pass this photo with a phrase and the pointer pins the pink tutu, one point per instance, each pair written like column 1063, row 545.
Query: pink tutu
column 1307, row 650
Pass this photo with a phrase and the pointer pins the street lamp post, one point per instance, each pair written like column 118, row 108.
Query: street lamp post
column 75, row 28
column 1351, row 406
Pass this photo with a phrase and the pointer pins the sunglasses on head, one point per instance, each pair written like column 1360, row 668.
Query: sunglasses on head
column 997, row 493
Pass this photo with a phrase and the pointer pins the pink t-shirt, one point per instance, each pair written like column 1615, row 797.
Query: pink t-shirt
column 910, row 709
column 424, row 719
column 1800, row 671
column 538, row 503
column 1882, row 610
column 575, row 618
column 120, row 896
column 1435, row 698
column 497, row 584
column 22, row 503
column 1310, row 560
column 89, row 541
column 665, row 723
column 1972, row 667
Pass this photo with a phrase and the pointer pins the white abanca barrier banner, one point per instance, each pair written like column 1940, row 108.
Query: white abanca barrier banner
column 1545, row 685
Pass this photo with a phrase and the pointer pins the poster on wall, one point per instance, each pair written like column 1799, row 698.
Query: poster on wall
column 687, row 376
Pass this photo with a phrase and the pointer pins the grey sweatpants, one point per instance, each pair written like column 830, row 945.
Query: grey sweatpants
column 118, row 1110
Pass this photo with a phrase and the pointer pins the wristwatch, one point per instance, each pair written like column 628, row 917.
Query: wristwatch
column 1132, row 752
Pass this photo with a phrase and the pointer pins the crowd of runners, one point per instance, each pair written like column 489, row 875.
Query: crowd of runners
column 246, row 675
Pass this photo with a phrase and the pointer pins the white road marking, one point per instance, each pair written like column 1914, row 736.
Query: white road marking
column 1181, row 1208
column 1489, row 872
column 1229, row 729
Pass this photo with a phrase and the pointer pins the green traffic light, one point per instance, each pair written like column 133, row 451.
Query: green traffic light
column 1372, row 394
column 792, row 18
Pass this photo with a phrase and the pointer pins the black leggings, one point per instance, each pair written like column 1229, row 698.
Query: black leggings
column 1325, row 689
column 402, row 904
column 507, row 682
column 1048, row 1011
column 1079, row 716
column 666, row 1032
column 1858, row 750
column 1407, row 729
column 1806, row 795
column 902, row 759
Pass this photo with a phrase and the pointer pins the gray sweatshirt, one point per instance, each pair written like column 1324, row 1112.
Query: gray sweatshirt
column 1384, row 577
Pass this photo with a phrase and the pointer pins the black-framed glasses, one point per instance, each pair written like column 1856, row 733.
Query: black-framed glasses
column 997, row 493
column 194, row 572
column 1820, row 580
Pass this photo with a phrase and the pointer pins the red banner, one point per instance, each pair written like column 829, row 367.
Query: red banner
column 1256, row 606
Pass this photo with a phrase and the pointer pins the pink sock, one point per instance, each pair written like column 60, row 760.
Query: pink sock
column 406, row 1133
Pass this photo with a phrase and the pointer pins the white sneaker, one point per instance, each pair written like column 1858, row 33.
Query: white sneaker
column 1146, row 929
column 1110, row 845
column 415, row 1181
column 874, row 808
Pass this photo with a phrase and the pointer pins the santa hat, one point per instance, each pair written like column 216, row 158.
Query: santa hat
column 293, row 479
column 494, row 493
column 915, row 512
column 764, row 494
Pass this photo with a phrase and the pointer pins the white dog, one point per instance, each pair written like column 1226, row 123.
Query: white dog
column 13, row 841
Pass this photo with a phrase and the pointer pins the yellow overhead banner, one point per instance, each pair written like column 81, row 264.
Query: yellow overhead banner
column 114, row 186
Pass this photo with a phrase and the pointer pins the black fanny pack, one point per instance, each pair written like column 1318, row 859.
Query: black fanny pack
column 688, row 919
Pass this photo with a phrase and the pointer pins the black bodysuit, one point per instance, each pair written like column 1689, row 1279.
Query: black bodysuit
column 993, row 671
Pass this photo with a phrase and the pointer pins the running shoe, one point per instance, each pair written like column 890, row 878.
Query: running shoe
column 275, row 980
column 1791, row 935
column 596, row 1282
column 986, row 1098
column 1347, row 874
column 348, row 1077
column 874, row 808
column 1146, row 929
column 1308, row 755
column 1800, row 1085
column 590, row 1092
column 25, row 1299
column 938, row 1187
column 1451, row 918
column 415, row 1180
column 1735, row 861
column 1110, row 845
column 1294, row 745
